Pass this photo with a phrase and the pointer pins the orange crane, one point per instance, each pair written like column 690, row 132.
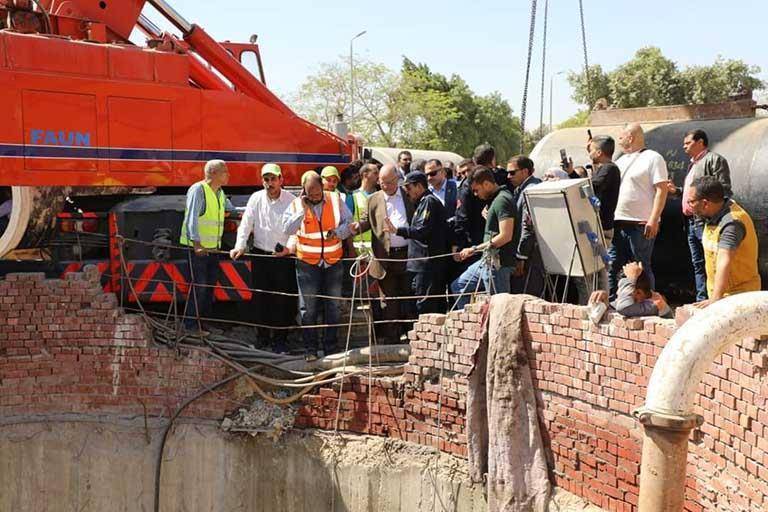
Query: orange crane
column 99, row 137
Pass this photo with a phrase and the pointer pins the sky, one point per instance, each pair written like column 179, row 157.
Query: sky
column 485, row 41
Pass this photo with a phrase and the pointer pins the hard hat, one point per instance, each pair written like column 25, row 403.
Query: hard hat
column 307, row 175
column 329, row 171
column 271, row 169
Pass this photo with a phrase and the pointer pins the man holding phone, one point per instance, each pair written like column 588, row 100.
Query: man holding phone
column 320, row 222
column 271, row 270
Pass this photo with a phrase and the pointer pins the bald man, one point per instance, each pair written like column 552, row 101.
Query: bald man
column 391, row 202
column 642, row 195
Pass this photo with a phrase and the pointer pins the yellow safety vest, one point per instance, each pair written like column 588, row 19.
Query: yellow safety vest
column 744, row 276
column 361, row 241
column 211, row 223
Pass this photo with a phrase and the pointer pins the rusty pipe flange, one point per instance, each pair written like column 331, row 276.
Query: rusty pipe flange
column 674, row 422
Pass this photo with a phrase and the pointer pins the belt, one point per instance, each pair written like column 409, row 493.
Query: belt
column 628, row 223
column 396, row 250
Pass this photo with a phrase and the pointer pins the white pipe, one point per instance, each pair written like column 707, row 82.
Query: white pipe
column 690, row 352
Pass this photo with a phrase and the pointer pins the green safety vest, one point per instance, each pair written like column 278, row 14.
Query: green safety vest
column 211, row 223
column 361, row 241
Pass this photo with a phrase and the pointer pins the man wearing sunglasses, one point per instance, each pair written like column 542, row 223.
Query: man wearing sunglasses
column 528, row 275
column 439, row 184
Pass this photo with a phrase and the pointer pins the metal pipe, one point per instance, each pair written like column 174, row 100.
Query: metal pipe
column 668, row 416
column 171, row 15
column 213, row 53
column 199, row 74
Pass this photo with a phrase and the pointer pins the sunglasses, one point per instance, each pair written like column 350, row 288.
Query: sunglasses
column 432, row 174
column 512, row 172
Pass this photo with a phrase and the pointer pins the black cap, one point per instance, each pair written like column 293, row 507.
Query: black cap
column 415, row 177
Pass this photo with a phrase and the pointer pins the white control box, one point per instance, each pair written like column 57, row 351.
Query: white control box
column 566, row 219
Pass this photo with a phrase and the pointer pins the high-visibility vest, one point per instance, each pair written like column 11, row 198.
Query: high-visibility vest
column 311, row 245
column 210, row 224
column 744, row 276
column 361, row 241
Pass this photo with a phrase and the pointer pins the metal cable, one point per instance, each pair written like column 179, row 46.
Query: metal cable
column 531, row 36
column 586, row 61
column 543, row 65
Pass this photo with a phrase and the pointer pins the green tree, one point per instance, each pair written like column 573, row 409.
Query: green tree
column 599, row 86
column 577, row 120
column 381, row 116
column 449, row 116
column 651, row 79
column 713, row 84
column 414, row 108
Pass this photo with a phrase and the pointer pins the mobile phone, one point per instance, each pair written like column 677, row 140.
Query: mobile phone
column 564, row 160
column 279, row 247
column 589, row 134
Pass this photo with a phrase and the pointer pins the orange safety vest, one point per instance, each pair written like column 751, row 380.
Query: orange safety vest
column 311, row 244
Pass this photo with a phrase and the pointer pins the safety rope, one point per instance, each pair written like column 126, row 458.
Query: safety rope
column 524, row 107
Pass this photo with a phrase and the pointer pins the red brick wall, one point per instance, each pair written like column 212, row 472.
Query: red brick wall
column 588, row 380
column 65, row 347
column 427, row 405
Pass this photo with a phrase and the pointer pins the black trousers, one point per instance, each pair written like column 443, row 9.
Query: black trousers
column 397, row 283
column 430, row 282
column 204, row 271
column 274, row 275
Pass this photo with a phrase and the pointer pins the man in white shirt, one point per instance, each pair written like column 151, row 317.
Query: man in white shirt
column 391, row 203
column 642, row 195
column 273, row 271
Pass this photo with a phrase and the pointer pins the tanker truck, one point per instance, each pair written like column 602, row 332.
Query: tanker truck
column 734, row 131
column 100, row 137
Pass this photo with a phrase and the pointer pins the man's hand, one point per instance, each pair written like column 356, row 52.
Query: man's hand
column 331, row 234
column 484, row 213
column 199, row 249
column 651, row 229
column 519, row 268
column 285, row 252
column 633, row 270
column 388, row 226
column 354, row 228
column 671, row 188
column 305, row 201
column 570, row 170
column 466, row 253
column 702, row 304
column 236, row 253
column 659, row 300
column 598, row 296
column 456, row 255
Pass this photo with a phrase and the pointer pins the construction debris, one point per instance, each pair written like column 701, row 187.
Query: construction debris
column 262, row 417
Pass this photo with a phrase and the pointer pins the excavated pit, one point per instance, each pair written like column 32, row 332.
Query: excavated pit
column 89, row 464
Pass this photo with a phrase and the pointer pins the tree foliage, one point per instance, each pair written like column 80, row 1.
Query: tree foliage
column 651, row 79
column 415, row 108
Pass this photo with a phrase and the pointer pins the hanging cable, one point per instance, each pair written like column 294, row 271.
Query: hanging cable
column 586, row 61
column 543, row 66
column 524, row 107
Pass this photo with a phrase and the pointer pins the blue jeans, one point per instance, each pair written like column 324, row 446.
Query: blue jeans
column 629, row 244
column 695, row 232
column 204, row 271
column 313, row 280
column 477, row 277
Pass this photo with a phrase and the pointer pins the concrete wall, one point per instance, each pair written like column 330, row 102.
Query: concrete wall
column 88, row 466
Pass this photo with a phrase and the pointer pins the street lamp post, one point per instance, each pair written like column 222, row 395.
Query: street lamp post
column 551, row 84
column 352, row 80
